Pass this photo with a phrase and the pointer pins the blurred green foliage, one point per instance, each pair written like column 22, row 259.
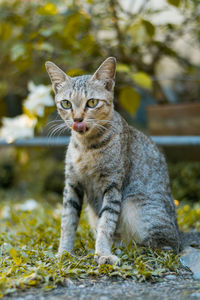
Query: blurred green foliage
column 36, row 173
column 78, row 35
column 185, row 179
column 32, row 173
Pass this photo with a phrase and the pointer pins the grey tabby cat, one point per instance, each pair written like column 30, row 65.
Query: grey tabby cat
column 120, row 171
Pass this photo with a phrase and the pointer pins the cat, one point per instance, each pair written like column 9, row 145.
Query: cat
column 119, row 170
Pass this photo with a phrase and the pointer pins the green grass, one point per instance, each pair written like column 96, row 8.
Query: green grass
column 29, row 241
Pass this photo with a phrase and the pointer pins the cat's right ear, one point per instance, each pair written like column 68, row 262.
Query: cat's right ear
column 106, row 73
column 57, row 76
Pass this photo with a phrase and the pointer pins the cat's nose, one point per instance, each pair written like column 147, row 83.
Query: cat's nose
column 78, row 119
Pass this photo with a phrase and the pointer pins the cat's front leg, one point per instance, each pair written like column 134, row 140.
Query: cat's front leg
column 72, row 205
column 108, row 218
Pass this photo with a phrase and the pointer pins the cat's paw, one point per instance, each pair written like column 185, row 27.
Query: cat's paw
column 107, row 260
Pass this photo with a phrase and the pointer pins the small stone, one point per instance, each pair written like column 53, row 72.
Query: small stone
column 195, row 295
column 190, row 258
column 196, row 275
column 68, row 281
column 171, row 277
column 118, row 252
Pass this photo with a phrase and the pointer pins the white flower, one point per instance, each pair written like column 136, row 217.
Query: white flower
column 30, row 204
column 6, row 212
column 19, row 127
column 38, row 98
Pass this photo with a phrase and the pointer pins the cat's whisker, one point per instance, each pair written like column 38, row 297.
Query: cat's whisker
column 51, row 130
column 113, row 127
column 58, row 133
column 54, row 121
column 57, row 128
column 61, row 131
column 53, row 127
column 107, row 122
column 52, row 124
column 99, row 121
column 101, row 127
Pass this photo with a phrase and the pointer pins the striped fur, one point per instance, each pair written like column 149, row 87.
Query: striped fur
column 120, row 171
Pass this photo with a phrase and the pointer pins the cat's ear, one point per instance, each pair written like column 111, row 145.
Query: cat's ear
column 57, row 76
column 106, row 73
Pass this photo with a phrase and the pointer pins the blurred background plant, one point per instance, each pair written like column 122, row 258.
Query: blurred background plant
column 156, row 44
column 39, row 173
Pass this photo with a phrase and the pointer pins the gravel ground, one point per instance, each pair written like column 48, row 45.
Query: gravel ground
column 170, row 288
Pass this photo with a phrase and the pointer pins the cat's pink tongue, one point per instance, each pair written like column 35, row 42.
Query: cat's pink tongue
column 79, row 126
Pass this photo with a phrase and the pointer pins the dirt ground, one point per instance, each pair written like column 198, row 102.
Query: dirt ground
column 169, row 288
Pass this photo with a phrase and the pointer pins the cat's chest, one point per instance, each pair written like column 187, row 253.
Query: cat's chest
column 87, row 165
column 87, row 168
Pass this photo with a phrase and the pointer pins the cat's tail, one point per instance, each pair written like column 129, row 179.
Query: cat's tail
column 189, row 239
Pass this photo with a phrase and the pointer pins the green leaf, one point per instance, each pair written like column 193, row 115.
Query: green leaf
column 76, row 23
column 17, row 51
column 5, row 30
column 48, row 9
column 75, row 72
column 123, row 68
column 142, row 79
column 44, row 47
column 13, row 253
column 174, row 2
column 138, row 32
column 129, row 99
column 150, row 28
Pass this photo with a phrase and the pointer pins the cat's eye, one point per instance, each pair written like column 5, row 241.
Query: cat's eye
column 92, row 103
column 66, row 104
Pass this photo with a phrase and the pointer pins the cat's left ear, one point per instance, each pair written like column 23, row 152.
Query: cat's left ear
column 57, row 76
column 106, row 73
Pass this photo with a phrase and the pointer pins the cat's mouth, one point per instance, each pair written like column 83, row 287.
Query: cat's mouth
column 80, row 127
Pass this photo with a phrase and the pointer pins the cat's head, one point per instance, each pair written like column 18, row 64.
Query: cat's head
column 85, row 103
